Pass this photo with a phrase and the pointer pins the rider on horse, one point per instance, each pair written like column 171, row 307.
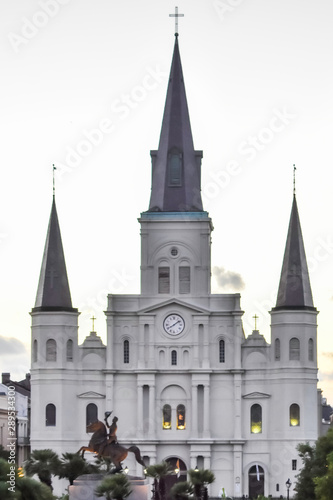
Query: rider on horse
column 112, row 437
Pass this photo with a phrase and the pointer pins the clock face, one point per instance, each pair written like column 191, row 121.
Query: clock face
column 174, row 324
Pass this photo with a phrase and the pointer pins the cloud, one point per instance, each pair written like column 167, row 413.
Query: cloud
column 325, row 375
column 228, row 279
column 11, row 346
column 327, row 354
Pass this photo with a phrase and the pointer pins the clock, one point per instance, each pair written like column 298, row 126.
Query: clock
column 174, row 324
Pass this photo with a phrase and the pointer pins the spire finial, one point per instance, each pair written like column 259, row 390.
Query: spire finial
column 294, row 179
column 176, row 15
column 255, row 317
column 53, row 170
column 93, row 323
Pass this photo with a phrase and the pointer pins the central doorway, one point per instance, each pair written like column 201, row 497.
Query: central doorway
column 175, row 462
column 256, row 481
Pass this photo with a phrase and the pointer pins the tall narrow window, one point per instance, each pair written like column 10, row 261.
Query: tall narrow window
column 294, row 415
column 164, row 280
column 256, row 419
column 35, row 351
column 175, row 167
column 184, row 279
column 222, row 351
column 294, row 464
column 294, row 350
column 311, row 350
column 277, row 350
column 51, row 350
column 166, row 417
column 91, row 413
column 50, row 415
column 173, row 357
column 69, row 350
column 126, row 351
column 181, row 422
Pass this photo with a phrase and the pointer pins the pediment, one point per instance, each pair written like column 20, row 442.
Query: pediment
column 174, row 303
column 91, row 395
column 256, row 395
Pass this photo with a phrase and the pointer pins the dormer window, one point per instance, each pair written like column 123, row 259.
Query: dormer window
column 175, row 161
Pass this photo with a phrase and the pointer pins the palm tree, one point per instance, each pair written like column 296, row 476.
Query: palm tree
column 30, row 489
column 159, row 472
column 72, row 466
column 200, row 478
column 182, row 491
column 44, row 463
column 115, row 487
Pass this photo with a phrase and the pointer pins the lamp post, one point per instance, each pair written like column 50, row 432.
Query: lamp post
column 288, row 484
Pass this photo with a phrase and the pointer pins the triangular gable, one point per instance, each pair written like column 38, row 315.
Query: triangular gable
column 256, row 395
column 173, row 302
column 91, row 395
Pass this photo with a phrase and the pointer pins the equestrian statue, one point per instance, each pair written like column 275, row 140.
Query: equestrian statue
column 106, row 445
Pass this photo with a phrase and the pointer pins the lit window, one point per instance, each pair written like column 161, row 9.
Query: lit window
column 311, row 350
column 173, row 357
column 91, row 413
column 294, row 464
column 294, row 414
column 164, row 280
column 222, row 351
column 277, row 349
column 184, row 279
column 181, row 423
column 126, row 351
column 50, row 415
column 256, row 419
column 35, row 351
column 51, row 350
column 294, row 349
column 69, row 352
column 166, row 417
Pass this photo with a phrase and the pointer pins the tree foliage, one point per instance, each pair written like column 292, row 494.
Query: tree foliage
column 44, row 463
column 324, row 484
column 115, row 487
column 72, row 465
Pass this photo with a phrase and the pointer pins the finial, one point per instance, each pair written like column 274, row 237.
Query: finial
column 255, row 317
column 294, row 180
column 53, row 169
column 93, row 323
column 176, row 15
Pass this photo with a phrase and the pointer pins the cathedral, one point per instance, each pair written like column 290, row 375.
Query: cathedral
column 185, row 383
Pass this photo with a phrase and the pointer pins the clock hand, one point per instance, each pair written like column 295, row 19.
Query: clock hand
column 174, row 324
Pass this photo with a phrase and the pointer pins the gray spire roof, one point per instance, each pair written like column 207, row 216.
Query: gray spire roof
column 53, row 289
column 294, row 289
column 176, row 166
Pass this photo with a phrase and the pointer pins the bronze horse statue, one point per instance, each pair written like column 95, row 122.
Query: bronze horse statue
column 113, row 451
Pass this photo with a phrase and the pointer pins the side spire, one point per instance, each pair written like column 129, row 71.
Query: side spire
column 294, row 289
column 176, row 166
column 53, row 292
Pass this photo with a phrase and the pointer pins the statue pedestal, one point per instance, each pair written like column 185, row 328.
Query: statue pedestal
column 84, row 487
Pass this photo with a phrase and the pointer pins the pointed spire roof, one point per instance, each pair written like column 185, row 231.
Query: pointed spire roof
column 294, row 289
column 53, row 292
column 176, row 166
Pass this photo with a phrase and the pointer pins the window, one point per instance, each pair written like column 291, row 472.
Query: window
column 256, row 419
column 91, row 413
column 184, row 279
column 50, row 415
column 126, row 351
column 277, row 350
column 277, row 487
column 294, row 350
column 164, row 280
column 294, row 464
column 35, row 351
column 173, row 357
column 181, row 422
column 51, row 350
column 175, row 167
column 311, row 350
column 222, row 351
column 294, row 415
column 69, row 350
column 166, row 417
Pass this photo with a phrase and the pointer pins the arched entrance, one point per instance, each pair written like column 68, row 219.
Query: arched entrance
column 256, row 481
column 175, row 462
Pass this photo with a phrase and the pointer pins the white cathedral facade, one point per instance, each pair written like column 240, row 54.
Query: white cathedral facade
column 177, row 370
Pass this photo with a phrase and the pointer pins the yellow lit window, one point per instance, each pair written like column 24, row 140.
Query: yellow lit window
column 256, row 419
column 181, row 423
column 294, row 415
column 166, row 417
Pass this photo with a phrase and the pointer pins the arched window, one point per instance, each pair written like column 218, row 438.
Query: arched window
column 294, row 415
column 181, row 422
column 294, row 350
column 311, row 350
column 222, row 351
column 173, row 357
column 184, row 279
column 51, row 350
column 91, row 413
column 50, row 415
column 166, row 417
column 35, row 351
column 126, row 351
column 164, row 279
column 277, row 350
column 69, row 350
column 256, row 419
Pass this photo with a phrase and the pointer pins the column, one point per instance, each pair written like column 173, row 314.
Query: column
column 109, row 348
column 109, row 392
column 152, row 411
column 238, row 453
column 141, row 356
column 237, row 406
column 194, row 411
column 205, row 362
column 206, row 426
column 140, row 409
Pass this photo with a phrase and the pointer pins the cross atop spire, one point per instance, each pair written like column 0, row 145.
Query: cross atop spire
column 53, row 174
column 294, row 179
column 176, row 15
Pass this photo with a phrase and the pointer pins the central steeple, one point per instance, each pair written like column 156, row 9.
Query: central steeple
column 176, row 165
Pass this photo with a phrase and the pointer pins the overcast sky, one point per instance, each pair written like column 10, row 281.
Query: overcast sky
column 258, row 76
